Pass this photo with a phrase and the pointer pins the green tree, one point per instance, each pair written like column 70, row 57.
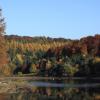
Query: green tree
column 70, row 69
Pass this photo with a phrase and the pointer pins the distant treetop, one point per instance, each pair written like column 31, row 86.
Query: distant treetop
column 2, row 24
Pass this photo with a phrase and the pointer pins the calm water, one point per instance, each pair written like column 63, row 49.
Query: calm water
column 53, row 89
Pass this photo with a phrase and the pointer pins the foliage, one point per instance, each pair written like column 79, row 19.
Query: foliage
column 3, row 47
column 73, row 57
column 71, row 70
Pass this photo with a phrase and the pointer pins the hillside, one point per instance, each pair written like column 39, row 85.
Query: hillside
column 47, row 56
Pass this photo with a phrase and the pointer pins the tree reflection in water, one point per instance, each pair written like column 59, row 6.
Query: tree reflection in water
column 55, row 93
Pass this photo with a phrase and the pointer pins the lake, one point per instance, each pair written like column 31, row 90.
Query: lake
column 44, row 88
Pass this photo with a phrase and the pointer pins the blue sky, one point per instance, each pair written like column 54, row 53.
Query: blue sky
column 53, row 18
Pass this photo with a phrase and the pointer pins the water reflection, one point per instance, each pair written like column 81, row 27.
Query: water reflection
column 56, row 90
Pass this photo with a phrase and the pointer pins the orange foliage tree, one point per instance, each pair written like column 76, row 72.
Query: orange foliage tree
column 3, row 52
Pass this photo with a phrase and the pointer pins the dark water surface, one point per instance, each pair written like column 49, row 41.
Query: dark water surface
column 52, row 89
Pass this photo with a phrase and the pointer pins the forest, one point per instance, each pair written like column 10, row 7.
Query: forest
column 57, row 57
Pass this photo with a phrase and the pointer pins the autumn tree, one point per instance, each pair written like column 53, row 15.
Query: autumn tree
column 3, row 52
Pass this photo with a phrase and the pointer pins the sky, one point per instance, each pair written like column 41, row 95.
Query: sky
column 52, row 18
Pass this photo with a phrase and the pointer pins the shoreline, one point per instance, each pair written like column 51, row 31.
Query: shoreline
column 50, row 78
